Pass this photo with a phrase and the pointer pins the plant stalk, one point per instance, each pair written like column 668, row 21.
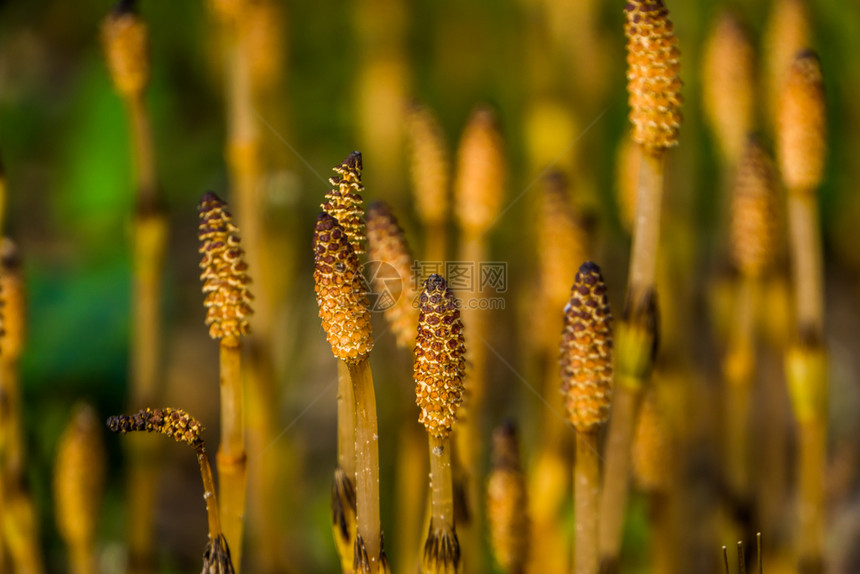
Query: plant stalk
column 232, row 458
column 628, row 394
column 586, row 491
column 613, row 497
column 367, row 461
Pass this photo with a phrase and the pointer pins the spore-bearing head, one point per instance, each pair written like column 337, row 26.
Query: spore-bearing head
column 341, row 292
column 586, row 351
column 440, row 357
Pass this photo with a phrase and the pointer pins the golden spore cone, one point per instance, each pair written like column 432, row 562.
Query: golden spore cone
column 729, row 85
column 125, row 39
column 561, row 239
column 79, row 477
column 754, row 231
column 786, row 32
column 653, row 75
column 507, row 503
column 481, row 172
column 440, row 357
column 586, row 351
column 394, row 273
column 429, row 165
column 801, row 138
column 264, row 30
column 174, row 423
column 225, row 273
column 341, row 292
column 344, row 201
column 13, row 304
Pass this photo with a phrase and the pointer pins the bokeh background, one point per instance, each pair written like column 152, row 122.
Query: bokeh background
column 554, row 72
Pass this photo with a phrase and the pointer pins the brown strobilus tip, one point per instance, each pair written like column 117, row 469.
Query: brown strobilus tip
column 344, row 201
column 341, row 292
column 586, row 351
column 225, row 273
column 653, row 74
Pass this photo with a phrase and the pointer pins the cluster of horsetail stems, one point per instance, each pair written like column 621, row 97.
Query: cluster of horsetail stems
column 801, row 148
column 653, row 87
column 586, row 375
column 228, row 309
column 439, row 371
column 125, row 38
column 341, row 294
column 185, row 429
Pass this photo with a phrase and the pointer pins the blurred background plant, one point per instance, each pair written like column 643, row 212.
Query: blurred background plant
column 343, row 76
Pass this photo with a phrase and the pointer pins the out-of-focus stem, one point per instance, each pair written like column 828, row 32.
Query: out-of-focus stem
column 468, row 437
column 366, row 461
column 812, row 463
column 412, row 499
column 232, row 459
column 646, row 227
column 586, row 491
column 627, row 395
column 739, row 369
column 808, row 268
column 613, row 497
column 143, row 149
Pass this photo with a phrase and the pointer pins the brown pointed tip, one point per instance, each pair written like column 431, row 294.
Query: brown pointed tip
column 353, row 161
column 208, row 199
column 586, row 350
